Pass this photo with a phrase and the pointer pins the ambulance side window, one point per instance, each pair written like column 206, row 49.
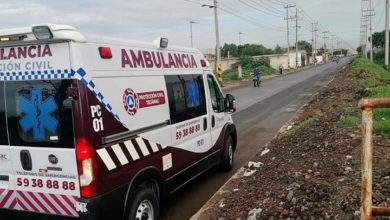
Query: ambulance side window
column 3, row 128
column 186, row 97
column 39, row 113
column 215, row 94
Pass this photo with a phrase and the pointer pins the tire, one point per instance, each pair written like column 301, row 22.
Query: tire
column 144, row 206
column 227, row 154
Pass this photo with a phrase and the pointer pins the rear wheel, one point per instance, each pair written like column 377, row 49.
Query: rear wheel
column 144, row 206
column 227, row 154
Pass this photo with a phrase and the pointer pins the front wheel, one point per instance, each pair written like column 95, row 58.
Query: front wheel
column 227, row 154
column 144, row 206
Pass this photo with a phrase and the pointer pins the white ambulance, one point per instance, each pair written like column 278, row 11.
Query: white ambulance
column 100, row 128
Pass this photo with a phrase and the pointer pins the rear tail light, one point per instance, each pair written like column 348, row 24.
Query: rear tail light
column 87, row 168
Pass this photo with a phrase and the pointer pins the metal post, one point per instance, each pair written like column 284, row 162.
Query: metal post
column 387, row 35
column 366, row 209
column 239, row 38
column 366, row 166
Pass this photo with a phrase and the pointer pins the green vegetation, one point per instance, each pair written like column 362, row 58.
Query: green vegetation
column 308, row 121
column 378, row 80
column 349, row 122
column 301, row 125
column 248, row 63
column 373, row 75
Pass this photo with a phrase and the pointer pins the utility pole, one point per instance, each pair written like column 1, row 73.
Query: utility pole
column 288, row 32
column 239, row 38
column 192, row 42
column 387, row 35
column 371, row 52
column 296, row 38
column 217, row 49
column 325, row 37
column 370, row 13
column 314, row 41
column 332, row 44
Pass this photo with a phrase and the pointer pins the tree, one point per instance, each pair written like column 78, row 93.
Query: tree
column 378, row 39
column 278, row 49
column 304, row 45
column 359, row 49
column 242, row 50
column 231, row 49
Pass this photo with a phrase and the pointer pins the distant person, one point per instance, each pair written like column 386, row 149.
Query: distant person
column 256, row 77
column 280, row 69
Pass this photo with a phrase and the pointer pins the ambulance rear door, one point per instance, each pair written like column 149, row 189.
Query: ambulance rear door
column 42, row 167
column 6, row 173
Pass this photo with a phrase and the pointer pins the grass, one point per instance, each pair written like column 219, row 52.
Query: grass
column 349, row 122
column 230, row 75
column 375, row 75
column 302, row 124
column 378, row 80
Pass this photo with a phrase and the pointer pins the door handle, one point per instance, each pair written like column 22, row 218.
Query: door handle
column 4, row 178
column 204, row 124
column 212, row 121
column 25, row 159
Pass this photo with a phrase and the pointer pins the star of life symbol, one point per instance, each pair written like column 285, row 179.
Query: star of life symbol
column 38, row 114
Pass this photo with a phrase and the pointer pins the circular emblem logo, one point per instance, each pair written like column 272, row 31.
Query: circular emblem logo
column 130, row 101
column 53, row 159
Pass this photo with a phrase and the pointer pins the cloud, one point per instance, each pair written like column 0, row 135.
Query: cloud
column 148, row 19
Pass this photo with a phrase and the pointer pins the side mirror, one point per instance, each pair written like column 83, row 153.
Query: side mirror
column 230, row 103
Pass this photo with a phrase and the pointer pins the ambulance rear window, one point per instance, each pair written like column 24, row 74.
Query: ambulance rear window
column 39, row 113
column 3, row 123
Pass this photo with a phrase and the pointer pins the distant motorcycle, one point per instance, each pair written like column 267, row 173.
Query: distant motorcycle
column 256, row 81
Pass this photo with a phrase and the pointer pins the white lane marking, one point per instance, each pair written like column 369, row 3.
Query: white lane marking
column 106, row 159
column 131, row 149
column 143, row 147
column 119, row 154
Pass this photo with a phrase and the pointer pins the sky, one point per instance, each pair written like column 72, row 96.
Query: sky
column 260, row 21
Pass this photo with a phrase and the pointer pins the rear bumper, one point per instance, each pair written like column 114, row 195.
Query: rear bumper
column 106, row 206
column 103, row 207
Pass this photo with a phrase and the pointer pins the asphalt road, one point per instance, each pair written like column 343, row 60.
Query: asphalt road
column 261, row 112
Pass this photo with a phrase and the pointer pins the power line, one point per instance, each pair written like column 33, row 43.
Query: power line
column 248, row 20
column 258, row 9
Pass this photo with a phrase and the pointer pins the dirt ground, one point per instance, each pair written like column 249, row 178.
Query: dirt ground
column 312, row 170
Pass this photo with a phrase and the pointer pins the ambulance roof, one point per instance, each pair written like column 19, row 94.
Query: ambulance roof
column 69, row 33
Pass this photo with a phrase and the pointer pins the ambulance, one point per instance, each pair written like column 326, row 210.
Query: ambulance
column 103, row 128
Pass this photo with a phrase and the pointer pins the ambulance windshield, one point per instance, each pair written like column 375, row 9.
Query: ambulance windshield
column 39, row 113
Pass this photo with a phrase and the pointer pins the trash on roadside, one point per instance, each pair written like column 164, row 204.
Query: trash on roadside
column 264, row 152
